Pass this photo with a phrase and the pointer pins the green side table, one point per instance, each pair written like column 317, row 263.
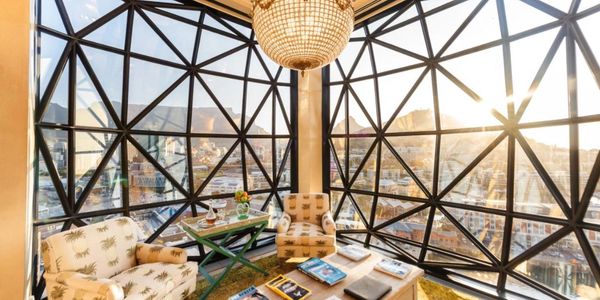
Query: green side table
column 229, row 226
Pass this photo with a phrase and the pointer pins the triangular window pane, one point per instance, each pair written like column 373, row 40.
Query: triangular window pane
column 527, row 56
column 90, row 149
column 589, row 27
column 593, row 238
column 435, row 256
column 421, row 162
column 492, row 90
column 255, row 94
column 170, row 152
column 457, row 151
column 146, row 41
column 272, row 67
column 570, row 282
column 112, row 33
column 57, row 111
column 206, row 115
column 146, row 82
column 446, row 236
column 57, row 141
column 550, row 100
column 228, row 178
column 349, row 56
column 531, row 194
column 51, row 48
column 146, row 183
column 442, row 25
column 212, row 22
column 551, row 146
column 263, row 150
column 408, row 14
column 430, row 5
column 358, row 33
column 232, row 64
column 106, row 193
column 50, row 17
column 365, row 90
column 170, row 114
column 389, row 208
column 358, row 121
column 108, row 67
column 559, row 4
column 521, row 17
column 394, row 179
column 417, row 114
column 334, row 72
column 588, row 89
column 84, row 12
column 335, row 200
column 387, row 59
column 229, row 93
column 408, row 37
column 335, row 179
column 348, row 217
column 256, row 69
column 89, row 108
column 365, row 180
column 365, row 203
column 589, row 148
column 485, row 185
column 364, row 66
column 335, row 94
column 213, row 44
column 487, row 228
column 487, row 277
column 281, row 126
column 410, row 228
column 150, row 219
column 373, row 26
column 339, row 145
column 458, row 109
column 206, row 155
column 180, row 34
column 527, row 233
column 189, row 14
column 285, row 170
column 262, row 124
column 256, row 178
column 47, row 200
column 484, row 28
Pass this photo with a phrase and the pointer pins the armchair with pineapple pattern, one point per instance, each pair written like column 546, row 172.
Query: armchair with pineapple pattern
column 106, row 261
column 306, row 228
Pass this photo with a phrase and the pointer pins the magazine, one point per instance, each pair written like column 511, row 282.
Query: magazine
column 250, row 293
column 354, row 252
column 321, row 271
column 393, row 267
column 288, row 288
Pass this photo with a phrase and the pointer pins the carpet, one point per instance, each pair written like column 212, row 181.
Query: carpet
column 240, row 278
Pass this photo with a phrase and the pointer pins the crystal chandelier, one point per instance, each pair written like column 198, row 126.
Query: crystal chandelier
column 302, row 34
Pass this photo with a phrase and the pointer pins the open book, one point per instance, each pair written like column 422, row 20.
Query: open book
column 393, row 267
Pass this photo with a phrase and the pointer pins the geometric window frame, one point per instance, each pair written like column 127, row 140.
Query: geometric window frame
column 354, row 177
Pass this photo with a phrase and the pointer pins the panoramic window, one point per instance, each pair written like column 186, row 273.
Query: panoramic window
column 151, row 109
column 463, row 136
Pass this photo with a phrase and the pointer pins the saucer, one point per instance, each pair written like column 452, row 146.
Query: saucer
column 202, row 223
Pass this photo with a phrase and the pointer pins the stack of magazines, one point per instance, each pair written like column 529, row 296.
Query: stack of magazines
column 354, row 252
column 321, row 271
column 288, row 288
column 250, row 293
column 393, row 267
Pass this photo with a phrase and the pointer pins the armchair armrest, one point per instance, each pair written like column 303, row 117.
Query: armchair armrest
column 78, row 281
column 328, row 223
column 283, row 225
column 149, row 253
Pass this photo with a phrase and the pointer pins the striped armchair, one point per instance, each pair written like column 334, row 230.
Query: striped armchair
column 105, row 261
column 306, row 228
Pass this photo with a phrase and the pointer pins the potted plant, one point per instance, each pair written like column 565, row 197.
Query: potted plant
column 243, row 207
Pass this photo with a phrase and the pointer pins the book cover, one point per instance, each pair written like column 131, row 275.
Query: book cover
column 393, row 267
column 354, row 252
column 288, row 288
column 367, row 288
column 250, row 293
column 322, row 271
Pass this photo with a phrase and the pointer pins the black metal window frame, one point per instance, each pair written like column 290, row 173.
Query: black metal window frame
column 123, row 131
column 574, row 208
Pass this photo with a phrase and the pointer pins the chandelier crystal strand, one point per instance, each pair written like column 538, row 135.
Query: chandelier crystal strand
column 302, row 34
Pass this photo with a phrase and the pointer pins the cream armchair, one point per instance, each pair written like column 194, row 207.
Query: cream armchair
column 105, row 261
column 306, row 228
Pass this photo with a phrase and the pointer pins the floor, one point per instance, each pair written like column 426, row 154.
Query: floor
column 240, row 278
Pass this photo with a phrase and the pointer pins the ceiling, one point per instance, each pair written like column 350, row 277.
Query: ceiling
column 242, row 8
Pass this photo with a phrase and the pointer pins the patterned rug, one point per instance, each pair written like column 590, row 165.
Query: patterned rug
column 240, row 278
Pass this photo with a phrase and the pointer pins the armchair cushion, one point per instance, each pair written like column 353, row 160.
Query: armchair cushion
column 107, row 288
column 150, row 253
column 155, row 279
column 328, row 223
column 304, row 234
column 306, row 207
column 284, row 223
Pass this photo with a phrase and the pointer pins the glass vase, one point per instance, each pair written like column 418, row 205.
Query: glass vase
column 242, row 210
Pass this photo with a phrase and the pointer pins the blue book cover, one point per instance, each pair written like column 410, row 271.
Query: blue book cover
column 322, row 271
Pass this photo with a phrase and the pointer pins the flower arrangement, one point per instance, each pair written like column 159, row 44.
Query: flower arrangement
column 242, row 197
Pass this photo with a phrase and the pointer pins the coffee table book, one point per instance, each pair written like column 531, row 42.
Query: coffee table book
column 354, row 252
column 321, row 271
column 288, row 288
column 393, row 267
column 367, row 288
